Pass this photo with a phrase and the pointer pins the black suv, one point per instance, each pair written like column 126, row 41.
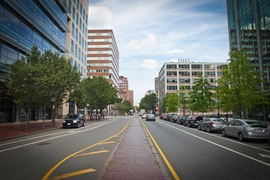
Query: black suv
column 193, row 121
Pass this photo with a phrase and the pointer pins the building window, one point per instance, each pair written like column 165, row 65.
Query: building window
column 171, row 87
column 184, row 66
column 72, row 46
column 171, row 73
column 210, row 73
column 196, row 73
column 171, row 66
column 73, row 29
column 196, row 66
column 184, row 73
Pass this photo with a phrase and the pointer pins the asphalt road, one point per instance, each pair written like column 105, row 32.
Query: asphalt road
column 195, row 154
column 83, row 153
column 63, row 152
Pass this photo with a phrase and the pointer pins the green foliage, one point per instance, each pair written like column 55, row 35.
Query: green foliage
column 37, row 78
column 149, row 102
column 96, row 92
column 164, row 107
column 124, row 106
column 240, row 84
column 173, row 102
column 201, row 96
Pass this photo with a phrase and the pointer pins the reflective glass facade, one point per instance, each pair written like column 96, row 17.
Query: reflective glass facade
column 56, row 25
column 249, row 29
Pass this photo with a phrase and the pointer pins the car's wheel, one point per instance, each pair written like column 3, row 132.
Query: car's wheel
column 83, row 123
column 240, row 137
column 208, row 129
column 199, row 127
column 224, row 133
column 78, row 125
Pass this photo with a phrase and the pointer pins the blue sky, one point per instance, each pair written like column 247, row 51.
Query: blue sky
column 151, row 32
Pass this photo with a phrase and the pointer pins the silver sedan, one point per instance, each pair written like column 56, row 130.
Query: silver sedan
column 246, row 129
column 211, row 124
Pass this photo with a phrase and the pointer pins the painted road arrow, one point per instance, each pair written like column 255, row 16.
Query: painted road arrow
column 263, row 155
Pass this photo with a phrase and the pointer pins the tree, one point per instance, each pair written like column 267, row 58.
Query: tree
column 97, row 92
column 35, row 79
column 240, row 85
column 149, row 102
column 164, row 107
column 173, row 102
column 58, row 78
column 201, row 96
column 124, row 106
column 183, row 95
column 22, row 80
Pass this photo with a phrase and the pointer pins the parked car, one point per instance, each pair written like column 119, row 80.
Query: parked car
column 150, row 117
column 143, row 116
column 74, row 120
column 175, row 118
column 193, row 121
column 167, row 117
column 170, row 117
column 211, row 124
column 181, row 120
column 246, row 129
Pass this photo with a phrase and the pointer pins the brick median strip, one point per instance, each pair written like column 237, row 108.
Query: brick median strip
column 134, row 159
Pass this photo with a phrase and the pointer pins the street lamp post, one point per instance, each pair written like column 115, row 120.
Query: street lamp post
column 53, row 111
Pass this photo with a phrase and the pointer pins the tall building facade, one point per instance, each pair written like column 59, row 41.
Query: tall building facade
column 124, row 91
column 45, row 24
column 249, row 30
column 103, row 55
column 76, row 42
column 172, row 75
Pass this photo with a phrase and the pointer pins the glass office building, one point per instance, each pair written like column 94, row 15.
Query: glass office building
column 56, row 25
column 249, row 29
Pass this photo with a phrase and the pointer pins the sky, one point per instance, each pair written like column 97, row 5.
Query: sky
column 149, row 33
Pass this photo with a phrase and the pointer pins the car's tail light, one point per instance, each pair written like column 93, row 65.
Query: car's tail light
column 248, row 129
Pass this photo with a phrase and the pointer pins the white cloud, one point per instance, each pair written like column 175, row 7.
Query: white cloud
column 149, row 64
column 163, row 31
column 175, row 51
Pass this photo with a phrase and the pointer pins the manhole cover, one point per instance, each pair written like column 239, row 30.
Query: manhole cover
column 44, row 143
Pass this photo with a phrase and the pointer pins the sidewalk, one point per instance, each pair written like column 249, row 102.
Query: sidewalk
column 133, row 158
column 17, row 129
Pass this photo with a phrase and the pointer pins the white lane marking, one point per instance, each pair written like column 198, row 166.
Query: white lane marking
column 236, row 152
column 224, row 138
column 22, row 140
column 64, row 135
column 263, row 155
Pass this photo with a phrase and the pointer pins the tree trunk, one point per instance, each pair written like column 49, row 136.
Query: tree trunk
column 27, row 118
column 53, row 115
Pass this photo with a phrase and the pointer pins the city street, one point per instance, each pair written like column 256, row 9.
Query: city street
column 195, row 154
column 84, row 153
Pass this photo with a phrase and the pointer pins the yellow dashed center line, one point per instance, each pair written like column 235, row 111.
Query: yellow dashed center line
column 91, row 153
column 63, row 176
column 108, row 142
column 47, row 175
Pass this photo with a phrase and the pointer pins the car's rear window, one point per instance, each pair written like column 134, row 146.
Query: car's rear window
column 254, row 122
column 73, row 116
column 218, row 120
